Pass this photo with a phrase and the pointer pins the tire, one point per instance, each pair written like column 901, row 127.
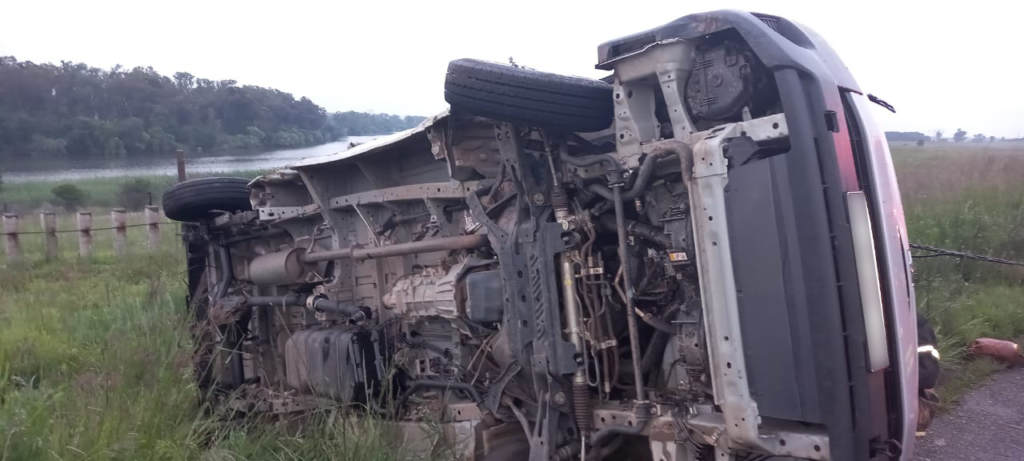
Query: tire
column 193, row 200
column 518, row 95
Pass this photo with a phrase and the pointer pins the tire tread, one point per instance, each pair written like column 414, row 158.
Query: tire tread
column 527, row 96
column 193, row 200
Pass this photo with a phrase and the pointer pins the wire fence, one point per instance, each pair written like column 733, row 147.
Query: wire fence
column 13, row 232
column 71, row 231
column 937, row 252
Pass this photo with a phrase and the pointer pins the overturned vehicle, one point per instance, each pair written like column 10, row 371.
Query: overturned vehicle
column 701, row 257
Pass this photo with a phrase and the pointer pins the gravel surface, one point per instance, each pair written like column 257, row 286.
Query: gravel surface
column 988, row 424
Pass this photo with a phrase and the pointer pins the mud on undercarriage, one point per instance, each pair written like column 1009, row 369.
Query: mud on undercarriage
column 551, row 269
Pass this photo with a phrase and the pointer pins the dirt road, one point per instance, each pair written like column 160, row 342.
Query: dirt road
column 988, row 424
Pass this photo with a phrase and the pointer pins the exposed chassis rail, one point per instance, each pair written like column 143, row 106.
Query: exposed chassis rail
column 740, row 425
column 461, row 242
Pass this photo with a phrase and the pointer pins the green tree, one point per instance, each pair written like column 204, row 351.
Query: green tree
column 135, row 194
column 114, row 149
column 960, row 135
column 41, row 146
column 184, row 80
column 69, row 196
column 75, row 111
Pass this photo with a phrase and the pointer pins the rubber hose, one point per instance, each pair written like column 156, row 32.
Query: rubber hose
column 655, row 322
column 643, row 177
column 591, row 160
column 567, row 452
column 654, row 352
column 645, row 231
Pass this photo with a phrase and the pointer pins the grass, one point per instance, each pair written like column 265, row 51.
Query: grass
column 95, row 364
column 95, row 354
column 971, row 198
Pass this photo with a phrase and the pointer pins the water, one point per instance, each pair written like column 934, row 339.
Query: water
column 72, row 170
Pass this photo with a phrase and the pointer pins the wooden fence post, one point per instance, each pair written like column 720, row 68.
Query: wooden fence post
column 118, row 220
column 153, row 219
column 48, row 220
column 180, row 161
column 13, row 244
column 85, row 234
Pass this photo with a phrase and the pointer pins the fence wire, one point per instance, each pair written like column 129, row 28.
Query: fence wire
column 75, row 231
column 936, row 252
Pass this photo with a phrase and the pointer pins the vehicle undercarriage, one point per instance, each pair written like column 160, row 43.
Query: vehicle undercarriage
column 548, row 276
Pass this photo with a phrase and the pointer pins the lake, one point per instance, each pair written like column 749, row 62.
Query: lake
column 71, row 170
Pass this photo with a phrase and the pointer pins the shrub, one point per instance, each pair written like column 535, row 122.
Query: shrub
column 134, row 194
column 69, row 196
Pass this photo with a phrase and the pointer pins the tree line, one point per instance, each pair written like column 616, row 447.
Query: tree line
column 959, row 136
column 72, row 110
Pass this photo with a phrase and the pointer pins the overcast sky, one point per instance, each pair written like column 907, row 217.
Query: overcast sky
column 941, row 67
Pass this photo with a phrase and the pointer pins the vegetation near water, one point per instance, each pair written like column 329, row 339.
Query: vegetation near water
column 129, row 192
column 95, row 358
column 73, row 111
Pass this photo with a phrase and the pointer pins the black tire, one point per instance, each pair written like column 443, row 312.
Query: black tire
column 193, row 200
column 514, row 94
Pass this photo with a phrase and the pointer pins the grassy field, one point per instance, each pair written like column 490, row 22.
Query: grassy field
column 966, row 197
column 95, row 364
column 94, row 355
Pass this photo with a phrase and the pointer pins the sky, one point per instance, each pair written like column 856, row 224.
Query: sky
column 942, row 67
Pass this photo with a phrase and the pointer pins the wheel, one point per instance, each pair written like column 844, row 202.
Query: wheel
column 515, row 94
column 194, row 200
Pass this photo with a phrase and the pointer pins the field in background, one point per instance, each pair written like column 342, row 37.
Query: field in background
column 95, row 361
column 966, row 197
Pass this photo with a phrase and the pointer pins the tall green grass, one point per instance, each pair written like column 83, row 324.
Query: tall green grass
column 95, row 364
column 970, row 198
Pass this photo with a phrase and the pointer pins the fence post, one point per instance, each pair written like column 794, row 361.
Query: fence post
column 48, row 220
column 85, row 234
column 180, row 161
column 13, row 244
column 153, row 219
column 118, row 220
